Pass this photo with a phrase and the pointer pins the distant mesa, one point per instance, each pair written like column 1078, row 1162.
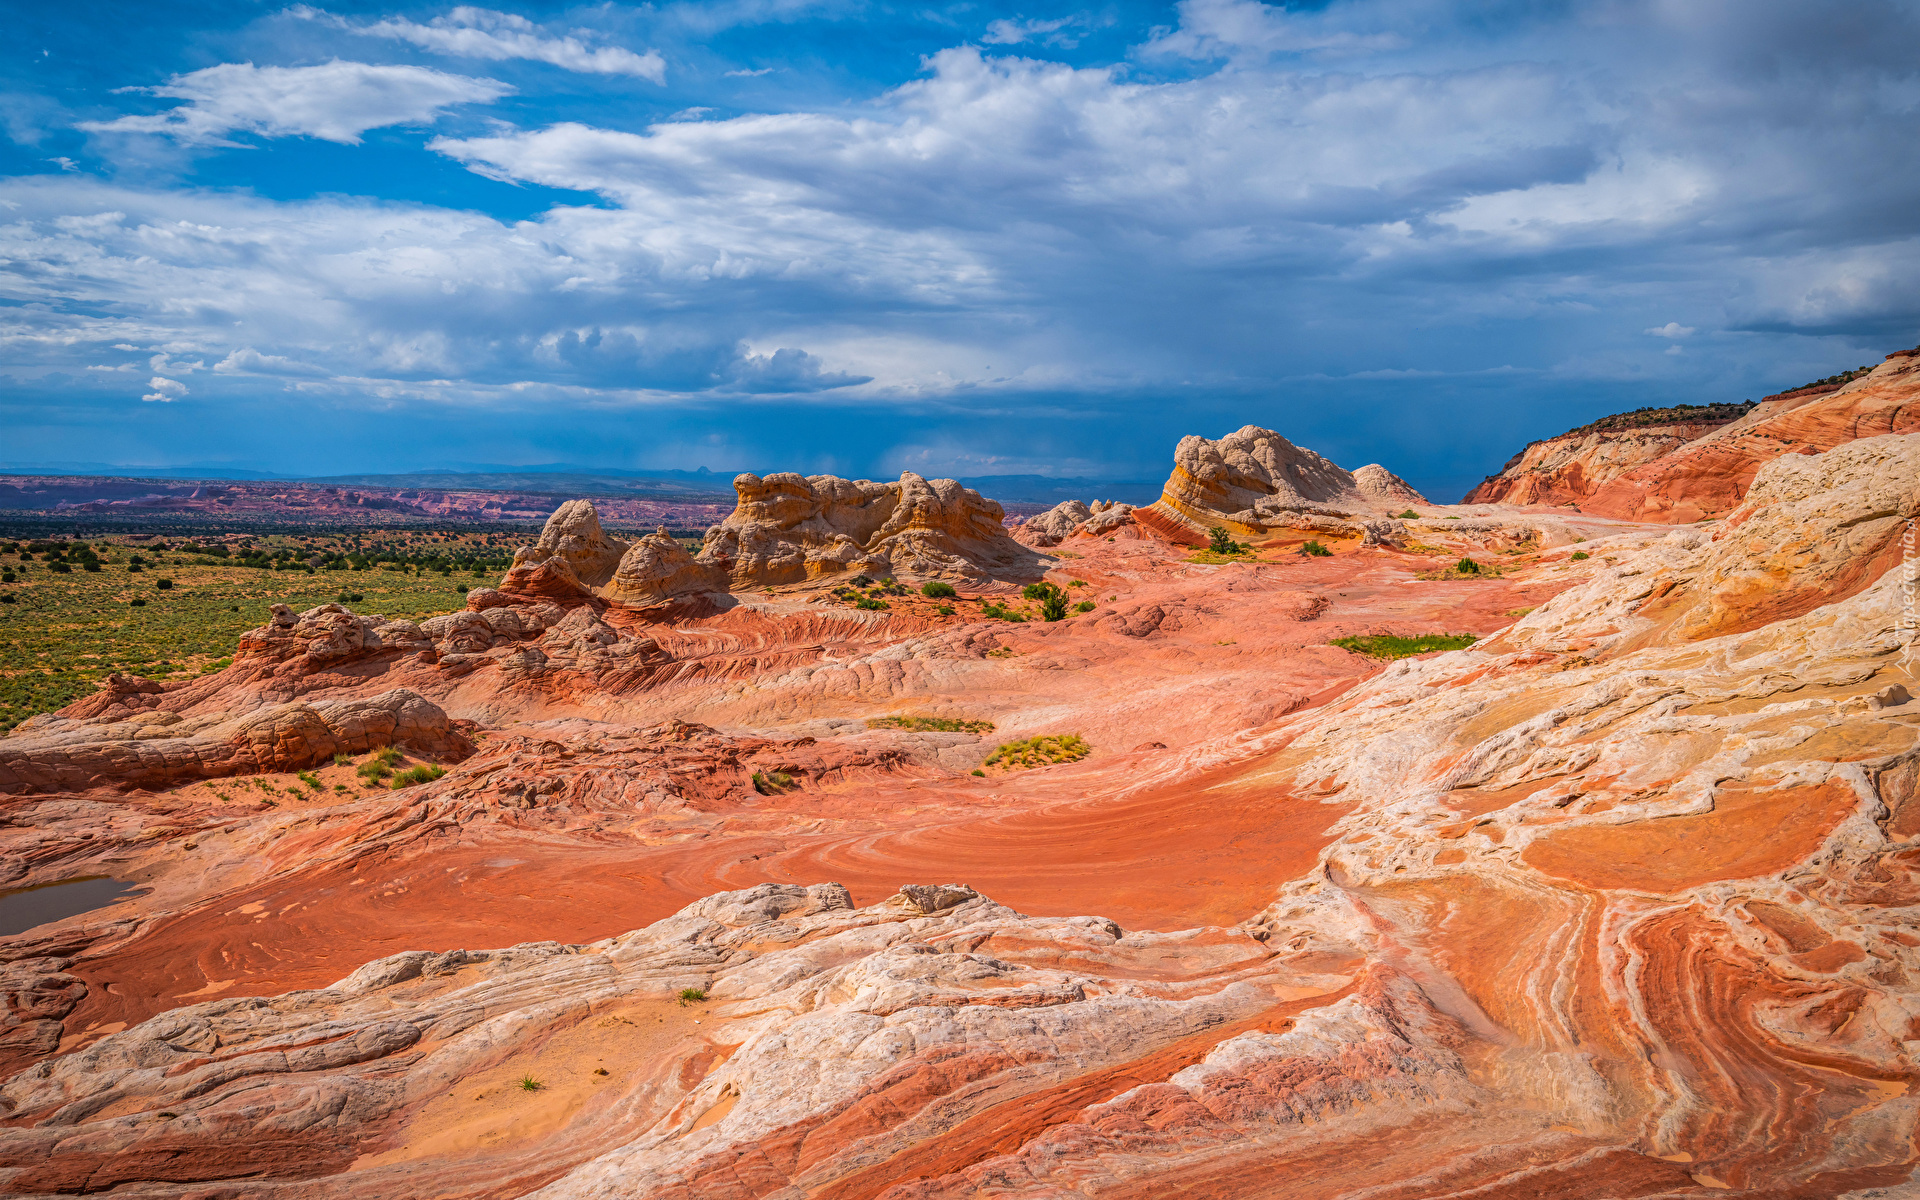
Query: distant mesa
column 785, row 529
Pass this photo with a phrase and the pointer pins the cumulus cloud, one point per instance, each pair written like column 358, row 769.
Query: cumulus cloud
column 337, row 101
column 1325, row 200
column 469, row 32
column 165, row 389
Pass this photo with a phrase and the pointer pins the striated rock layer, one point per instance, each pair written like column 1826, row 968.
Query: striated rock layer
column 1680, row 472
column 1618, row 902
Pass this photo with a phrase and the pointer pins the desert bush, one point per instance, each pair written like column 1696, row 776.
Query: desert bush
column 419, row 773
column 1578, row 555
column 773, row 783
column 1221, row 542
column 1084, row 606
column 871, row 603
column 1042, row 751
column 165, row 585
column 934, row 589
column 1467, row 566
column 137, row 602
column 692, row 996
column 1315, row 550
column 1408, row 515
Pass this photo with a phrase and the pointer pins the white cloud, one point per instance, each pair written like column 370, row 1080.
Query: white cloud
column 1672, row 329
column 248, row 361
column 164, row 389
column 1238, row 28
column 1012, row 33
column 743, row 73
column 469, row 32
column 337, row 101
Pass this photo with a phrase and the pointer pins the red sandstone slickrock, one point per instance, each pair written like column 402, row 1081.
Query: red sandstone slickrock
column 1619, row 902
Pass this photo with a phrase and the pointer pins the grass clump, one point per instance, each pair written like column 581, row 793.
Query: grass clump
column 691, row 996
column 1389, row 647
column 420, row 773
column 1042, row 751
column 529, row 1084
column 934, row 589
column 931, row 724
column 1313, row 549
column 773, row 783
column 1000, row 613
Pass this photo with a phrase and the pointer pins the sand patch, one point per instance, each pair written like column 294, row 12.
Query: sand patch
column 489, row 1110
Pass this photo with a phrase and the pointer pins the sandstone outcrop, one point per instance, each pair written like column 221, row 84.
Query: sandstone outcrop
column 1683, row 471
column 1570, row 468
column 1618, row 902
column 786, row 529
column 1382, row 486
column 1071, row 517
column 157, row 748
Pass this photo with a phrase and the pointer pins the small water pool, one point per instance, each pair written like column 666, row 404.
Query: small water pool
column 23, row 909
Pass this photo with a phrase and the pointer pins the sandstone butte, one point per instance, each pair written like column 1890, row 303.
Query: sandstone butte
column 1618, row 902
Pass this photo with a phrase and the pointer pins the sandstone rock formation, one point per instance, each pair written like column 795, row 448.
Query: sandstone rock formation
column 1071, row 517
column 1682, row 472
column 1570, row 468
column 1615, row 903
column 786, row 529
column 1253, row 482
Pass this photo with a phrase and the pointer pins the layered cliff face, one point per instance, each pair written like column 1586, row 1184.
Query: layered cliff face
column 1683, row 471
column 1570, row 468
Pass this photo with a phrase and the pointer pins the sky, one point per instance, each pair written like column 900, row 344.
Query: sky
column 974, row 238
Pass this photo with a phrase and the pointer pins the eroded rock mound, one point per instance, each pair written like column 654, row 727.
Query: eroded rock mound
column 786, row 529
column 1070, row 518
column 1254, row 482
column 159, row 748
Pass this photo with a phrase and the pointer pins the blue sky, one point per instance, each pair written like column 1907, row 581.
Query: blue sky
column 973, row 238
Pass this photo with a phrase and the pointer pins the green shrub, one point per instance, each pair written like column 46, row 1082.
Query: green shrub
column 1084, row 606
column 1041, row 751
column 341, row 760
column 934, row 589
column 1389, row 647
column 419, row 773
column 692, row 996
column 991, row 609
column 1467, row 566
column 773, row 783
column 529, row 1084
column 1580, row 554
column 165, row 585
column 979, row 772
column 1408, row 515
column 931, row 724
column 1221, row 542
column 945, row 610
column 137, row 602
column 59, row 568
column 870, row 603
column 1316, row 550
